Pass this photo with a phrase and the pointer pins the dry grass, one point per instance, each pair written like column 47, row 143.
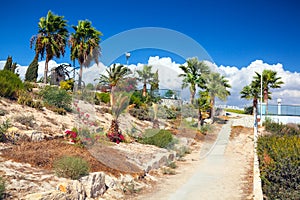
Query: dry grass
column 43, row 154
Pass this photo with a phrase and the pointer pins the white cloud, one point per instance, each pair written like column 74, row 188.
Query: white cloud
column 169, row 71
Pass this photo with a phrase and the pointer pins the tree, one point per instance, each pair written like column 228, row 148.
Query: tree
column 194, row 73
column 252, row 92
column 145, row 76
column 269, row 80
column 51, row 39
column 85, row 45
column 202, row 104
column 115, row 74
column 217, row 86
column 32, row 70
column 9, row 65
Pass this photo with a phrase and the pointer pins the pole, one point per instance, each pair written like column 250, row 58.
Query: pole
column 261, row 93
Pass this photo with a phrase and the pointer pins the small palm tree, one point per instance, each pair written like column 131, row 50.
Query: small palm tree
column 115, row 74
column 51, row 39
column 269, row 80
column 85, row 45
column 145, row 76
column 217, row 86
column 193, row 75
column 251, row 92
column 119, row 106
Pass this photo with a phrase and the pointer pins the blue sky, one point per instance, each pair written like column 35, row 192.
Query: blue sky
column 233, row 32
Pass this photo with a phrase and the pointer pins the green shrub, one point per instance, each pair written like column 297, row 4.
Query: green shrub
column 59, row 98
column 71, row 167
column 140, row 113
column 102, row 97
column 3, row 128
column 281, row 129
column 10, row 84
column 235, row 111
column 28, row 86
column 279, row 158
column 2, row 187
column 159, row 138
column 25, row 120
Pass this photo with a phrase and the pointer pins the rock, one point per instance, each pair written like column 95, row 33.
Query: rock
column 94, row 184
column 208, row 121
column 36, row 136
column 50, row 195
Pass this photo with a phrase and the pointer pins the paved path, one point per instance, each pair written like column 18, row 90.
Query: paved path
column 220, row 173
column 207, row 182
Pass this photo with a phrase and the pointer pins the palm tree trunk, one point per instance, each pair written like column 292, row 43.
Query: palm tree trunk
column 266, row 99
column 144, row 90
column 112, row 96
column 46, row 71
column 80, row 77
column 200, row 119
column 212, row 109
column 192, row 95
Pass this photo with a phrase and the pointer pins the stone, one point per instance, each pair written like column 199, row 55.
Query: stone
column 94, row 184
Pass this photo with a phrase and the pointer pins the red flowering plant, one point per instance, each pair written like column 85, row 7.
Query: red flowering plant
column 114, row 134
column 72, row 135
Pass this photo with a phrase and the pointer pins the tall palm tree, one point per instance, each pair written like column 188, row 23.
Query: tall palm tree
column 115, row 74
column 145, row 76
column 51, row 38
column 85, row 45
column 269, row 80
column 217, row 86
column 194, row 75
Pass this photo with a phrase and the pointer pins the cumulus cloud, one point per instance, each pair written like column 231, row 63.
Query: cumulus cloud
column 169, row 71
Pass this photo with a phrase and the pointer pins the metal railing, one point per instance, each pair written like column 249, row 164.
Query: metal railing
column 283, row 110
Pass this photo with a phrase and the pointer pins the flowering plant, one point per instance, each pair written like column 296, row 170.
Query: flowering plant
column 72, row 135
column 117, row 138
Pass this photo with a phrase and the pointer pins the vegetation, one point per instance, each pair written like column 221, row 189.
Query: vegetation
column 9, row 65
column 32, row 70
column 279, row 155
column 85, row 45
column 145, row 76
column 194, row 75
column 71, row 167
column 217, row 86
column 159, row 138
column 116, row 73
column 2, row 187
column 51, row 39
column 3, row 128
column 102, row 97
column 67, row 85
column 10, row 84
column 59, row 98
column 269, row 80
column 237, row 111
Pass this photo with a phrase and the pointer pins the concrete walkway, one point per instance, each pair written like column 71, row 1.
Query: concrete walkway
column 209, row 180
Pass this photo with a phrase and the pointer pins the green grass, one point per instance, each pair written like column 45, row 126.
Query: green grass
column 235, row 111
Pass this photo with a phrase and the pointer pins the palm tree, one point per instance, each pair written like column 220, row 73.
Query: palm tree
column 249, row 92
column 217, row 86
column 51, row 38
column 269, row 80
column 193, row 76
column 85, row 45
column 145, row 76
column 115, row 74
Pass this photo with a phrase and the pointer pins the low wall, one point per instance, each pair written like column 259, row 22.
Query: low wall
column 283, row 119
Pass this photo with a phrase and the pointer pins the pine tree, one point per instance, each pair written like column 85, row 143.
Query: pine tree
column 8, row 63
column 32, row 71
